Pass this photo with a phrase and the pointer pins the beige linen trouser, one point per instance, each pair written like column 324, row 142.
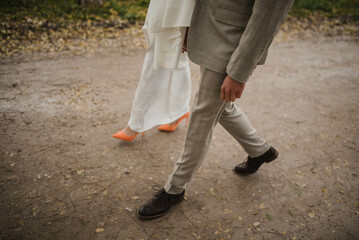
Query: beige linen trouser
column 207, row 110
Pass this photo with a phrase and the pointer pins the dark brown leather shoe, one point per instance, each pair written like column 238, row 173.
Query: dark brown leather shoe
column 160, row 204
column 253, row 164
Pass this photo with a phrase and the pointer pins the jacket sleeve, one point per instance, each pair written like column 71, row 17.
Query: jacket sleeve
column 265, row 21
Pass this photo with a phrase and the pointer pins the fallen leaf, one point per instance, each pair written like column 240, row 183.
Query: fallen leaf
column 227, row 210
column 98, row 230
column 290, row 213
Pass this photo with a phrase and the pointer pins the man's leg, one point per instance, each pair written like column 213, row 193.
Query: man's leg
column 235, row 121
column 206, row 111
column 237, row 124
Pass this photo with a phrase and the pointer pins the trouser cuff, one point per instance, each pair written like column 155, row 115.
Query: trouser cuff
column 170, row 189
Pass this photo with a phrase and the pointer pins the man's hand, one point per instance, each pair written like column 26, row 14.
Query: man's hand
column 184, row 47
column 231, row 89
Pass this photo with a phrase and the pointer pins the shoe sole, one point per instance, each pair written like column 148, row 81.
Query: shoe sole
column 166, row 130
column 159, row 215
column 275, row 156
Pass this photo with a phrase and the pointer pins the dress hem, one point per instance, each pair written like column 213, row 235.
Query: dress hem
column 159, row 123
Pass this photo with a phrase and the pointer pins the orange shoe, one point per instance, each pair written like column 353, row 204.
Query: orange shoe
column 123, row 136
column 169, row 128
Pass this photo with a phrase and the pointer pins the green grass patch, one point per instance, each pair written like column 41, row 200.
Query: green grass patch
column 331, row 8
column 136, row 9
column 72, row 10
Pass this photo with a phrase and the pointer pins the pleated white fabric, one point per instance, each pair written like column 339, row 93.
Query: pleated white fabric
column 162, row 95
column 167, row 21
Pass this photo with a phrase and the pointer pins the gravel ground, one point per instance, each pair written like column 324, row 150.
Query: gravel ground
column 64, row 177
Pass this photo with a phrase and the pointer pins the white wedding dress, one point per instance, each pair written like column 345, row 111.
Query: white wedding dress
column 164, row 90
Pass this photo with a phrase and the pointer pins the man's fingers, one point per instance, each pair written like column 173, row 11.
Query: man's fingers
column 233, row 98
column 231, row 90
column 227, row 96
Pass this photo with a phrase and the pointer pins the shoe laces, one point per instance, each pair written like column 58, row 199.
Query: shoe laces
column 159, row 191
column 157, row 187
column 246, row 159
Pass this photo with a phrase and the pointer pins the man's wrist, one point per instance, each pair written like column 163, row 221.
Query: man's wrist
column 233, row 79
column 238, row 76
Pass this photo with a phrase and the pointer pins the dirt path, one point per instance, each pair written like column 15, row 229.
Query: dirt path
column 64, row 177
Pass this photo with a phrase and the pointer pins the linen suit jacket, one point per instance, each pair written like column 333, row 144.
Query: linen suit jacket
column 233, row 36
